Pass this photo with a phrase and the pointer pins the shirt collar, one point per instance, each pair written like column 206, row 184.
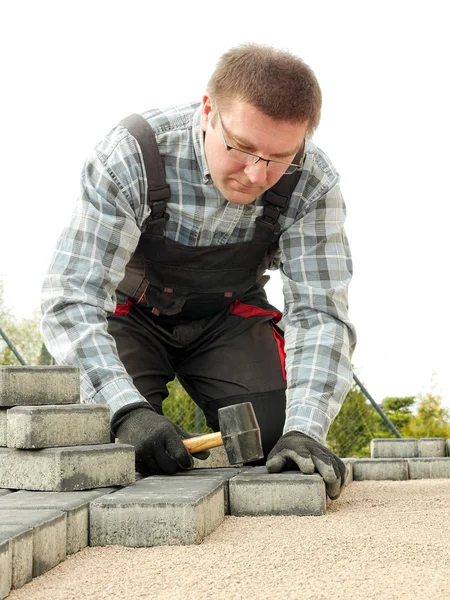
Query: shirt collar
column 199, row 146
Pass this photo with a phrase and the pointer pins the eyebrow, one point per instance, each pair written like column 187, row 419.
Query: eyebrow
column 252, row 148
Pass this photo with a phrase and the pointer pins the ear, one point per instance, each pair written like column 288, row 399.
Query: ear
column 206, row 111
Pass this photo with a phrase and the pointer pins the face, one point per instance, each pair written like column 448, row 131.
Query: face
column 247, row 128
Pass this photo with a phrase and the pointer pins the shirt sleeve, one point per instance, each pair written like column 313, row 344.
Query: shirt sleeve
column 316, row 269
column 87, row 265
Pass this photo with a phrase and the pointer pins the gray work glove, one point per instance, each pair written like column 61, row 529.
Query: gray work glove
column 159, row 449
column 297, row 449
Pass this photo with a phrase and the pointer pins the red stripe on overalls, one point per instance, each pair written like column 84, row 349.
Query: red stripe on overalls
column 247, row 311
column 123, row 309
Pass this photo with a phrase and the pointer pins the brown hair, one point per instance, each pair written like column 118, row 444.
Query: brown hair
column 276, row 82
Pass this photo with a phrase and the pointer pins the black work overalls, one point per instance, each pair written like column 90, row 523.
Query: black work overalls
column 201, row 314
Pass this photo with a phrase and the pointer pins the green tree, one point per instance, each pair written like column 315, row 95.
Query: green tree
column 354, row 427
column 182, row 410
column 398, row 410
column 431, row 420
column 45, row 358
column 24, row 334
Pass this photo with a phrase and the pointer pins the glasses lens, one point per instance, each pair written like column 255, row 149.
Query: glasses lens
column 278, row 168
column 241, row 157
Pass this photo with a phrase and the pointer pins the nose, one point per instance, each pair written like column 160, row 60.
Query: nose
column 257, row 173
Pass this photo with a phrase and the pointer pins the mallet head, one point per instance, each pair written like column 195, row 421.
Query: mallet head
column 240, row 433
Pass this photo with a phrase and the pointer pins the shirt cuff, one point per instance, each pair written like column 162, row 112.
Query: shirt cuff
column 308, row 420
column 118, row 394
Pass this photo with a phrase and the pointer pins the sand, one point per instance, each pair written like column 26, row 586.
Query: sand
column 380, row 540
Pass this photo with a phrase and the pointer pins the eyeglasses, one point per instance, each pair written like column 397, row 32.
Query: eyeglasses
column 247, row 158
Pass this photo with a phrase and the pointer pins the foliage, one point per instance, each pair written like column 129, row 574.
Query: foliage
column 182, row 410
column 398, row 410
column 358, row 422
column 431, row 420
column 354, row 427
column 45, row 358
column 24, row 334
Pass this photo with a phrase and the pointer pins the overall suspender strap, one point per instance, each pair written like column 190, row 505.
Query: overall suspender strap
column 158, row 189
column 276, row 201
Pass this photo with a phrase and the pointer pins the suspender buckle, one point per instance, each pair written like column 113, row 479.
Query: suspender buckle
column 270, row 218
column 158, row 210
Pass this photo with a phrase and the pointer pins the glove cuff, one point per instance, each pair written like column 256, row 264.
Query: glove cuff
column 120, row 416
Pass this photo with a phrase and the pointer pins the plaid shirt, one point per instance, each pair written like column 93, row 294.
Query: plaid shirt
column 89, row 262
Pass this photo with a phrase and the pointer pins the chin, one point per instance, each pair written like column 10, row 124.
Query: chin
column 238, row 197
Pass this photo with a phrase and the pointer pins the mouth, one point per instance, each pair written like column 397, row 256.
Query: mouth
column 246, row 188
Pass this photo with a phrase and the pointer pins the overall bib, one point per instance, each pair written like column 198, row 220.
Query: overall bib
column 201, row 313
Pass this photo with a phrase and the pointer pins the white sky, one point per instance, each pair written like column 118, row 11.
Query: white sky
column 71, row 71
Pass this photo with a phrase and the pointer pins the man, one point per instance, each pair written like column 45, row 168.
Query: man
column 141, row 290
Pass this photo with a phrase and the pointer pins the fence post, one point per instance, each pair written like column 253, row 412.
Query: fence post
column 11, row 345
column 385, row 418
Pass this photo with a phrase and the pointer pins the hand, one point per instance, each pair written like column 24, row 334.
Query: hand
column 297, row 449
column 159, row 449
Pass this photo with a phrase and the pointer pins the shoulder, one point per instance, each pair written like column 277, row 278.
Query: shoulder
column 319, row 175
column 169, row 120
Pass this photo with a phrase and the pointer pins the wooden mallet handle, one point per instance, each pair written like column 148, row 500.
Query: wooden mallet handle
column 203, row 442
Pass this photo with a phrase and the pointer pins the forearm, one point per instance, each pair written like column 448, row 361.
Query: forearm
column 319, row 375
column 75, row 333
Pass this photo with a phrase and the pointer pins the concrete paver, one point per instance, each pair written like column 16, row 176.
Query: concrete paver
column 24, row 386
column 49, row 535
column 257, row 492
column 5, row 568
column 74, row 504
column 217, row 459
column 21, row 538
column 51, row 426
column 380, row 469
column 3, row 426
column 348, row 470
column 394, row 448
column 158, row 511
column 68, row 468
column 432, row 447
column 429, row 468
column 222, row 475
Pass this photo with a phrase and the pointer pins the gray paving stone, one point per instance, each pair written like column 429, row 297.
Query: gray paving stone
column 158, row 511
column 4, row 492
column 348, row 470
column 67, row 469
column 74, row 504
column 257, row 492
column 429, row 468
column 220, row 474
column 21, row 538
column 52, row 426
column 380, row 469
column 217, row 458
column 5, row 568
column 394, row 448
column 432, row 447
column 3, row 426
column 49, row 535
column 24, row 386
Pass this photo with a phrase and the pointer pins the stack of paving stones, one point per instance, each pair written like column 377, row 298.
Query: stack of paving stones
column 58, row 513
column 56, row 456
column 404, row 458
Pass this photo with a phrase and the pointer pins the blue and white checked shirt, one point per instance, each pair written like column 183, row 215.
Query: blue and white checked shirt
column 91, row 254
